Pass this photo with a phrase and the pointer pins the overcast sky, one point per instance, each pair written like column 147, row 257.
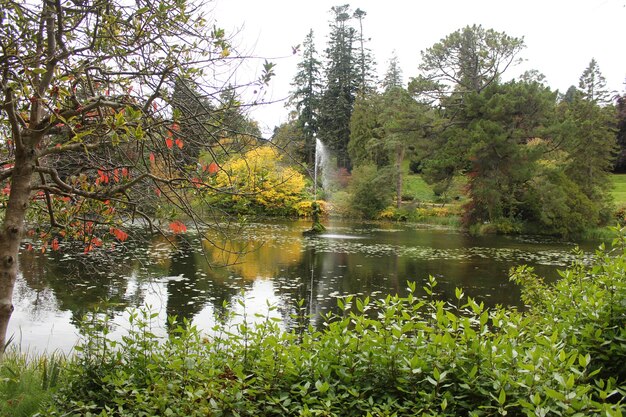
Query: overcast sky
column 561, row 36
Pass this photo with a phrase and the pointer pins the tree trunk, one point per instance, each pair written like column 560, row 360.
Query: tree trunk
column 11, row 234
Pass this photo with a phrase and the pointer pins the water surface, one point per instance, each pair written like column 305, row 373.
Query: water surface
column 271, row 263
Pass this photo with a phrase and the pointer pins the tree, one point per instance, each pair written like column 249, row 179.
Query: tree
column 341, row 85
column 88, row 121
column 593, row 84
column 588, row 136
column 366, row 144
column 505, row 118
column 467, row 60
column 620, row 163
column 365, row 61
column 194, row 114
column 306, row 96
column 393, row 76
column 369, row 189
column 404, row 123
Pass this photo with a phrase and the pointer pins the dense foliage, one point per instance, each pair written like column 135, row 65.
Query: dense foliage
column 534, row 159
column 398, row 356
column 255, row 183
column 99, row 129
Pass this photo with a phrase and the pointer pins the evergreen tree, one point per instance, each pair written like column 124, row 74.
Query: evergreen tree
column 467, row 60
column 464, row 63
column 393, row 76
column 588, row 136
column 620, row 163
column 403, row 124
column 366, row 144
column 365, row 61
column 341, row 85
column 505, row 119
column 193, row 112
column 235, row 131
column 306, row 96
column 593, row 84
column 572, row 94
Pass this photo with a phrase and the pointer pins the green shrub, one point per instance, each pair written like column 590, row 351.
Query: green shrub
column 371, row 191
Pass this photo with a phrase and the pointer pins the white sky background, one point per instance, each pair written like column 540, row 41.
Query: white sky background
column 561, row 36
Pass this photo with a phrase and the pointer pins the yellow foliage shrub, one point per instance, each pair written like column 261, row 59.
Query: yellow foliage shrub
column 259, row 181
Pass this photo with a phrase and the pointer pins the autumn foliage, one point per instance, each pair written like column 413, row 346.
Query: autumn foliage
column 257, row 183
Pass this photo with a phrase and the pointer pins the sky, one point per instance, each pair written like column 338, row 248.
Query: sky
column 561, row 36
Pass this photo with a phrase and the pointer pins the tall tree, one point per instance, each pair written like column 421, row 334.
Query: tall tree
column 505, row 118
column 342, row 77
column 620, row 163
column 467, row 60
column 194, row 113
column 593, row 84
column 393, row 76
column 404, row 123
column 306, row 96
column 367, row 144
column 365, row 61
column 89, row 84
column 588, row 135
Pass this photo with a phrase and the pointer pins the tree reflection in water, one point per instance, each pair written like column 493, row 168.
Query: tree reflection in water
column 267, row 262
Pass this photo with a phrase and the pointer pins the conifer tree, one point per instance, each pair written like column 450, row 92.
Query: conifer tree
column 593, row 84
column 365, row 61
column 305, row 97
column 341, row 86
column 393, row 76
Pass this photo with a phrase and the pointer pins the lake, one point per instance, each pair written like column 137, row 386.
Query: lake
column 270, row 263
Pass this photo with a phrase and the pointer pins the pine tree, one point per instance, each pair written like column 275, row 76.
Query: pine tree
column 620, row 164
column 341, row 85
column 365, row 61
column 593, row 84
column 366, row 142
column 306, row 95
column 393, row 76
column 193, row 113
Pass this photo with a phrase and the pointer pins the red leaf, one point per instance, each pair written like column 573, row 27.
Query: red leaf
column 213, row 168
column 178, row 227
column 55, row 244
column 179, row 143
column 152, row 157
column 169, row 142
column 119, row 234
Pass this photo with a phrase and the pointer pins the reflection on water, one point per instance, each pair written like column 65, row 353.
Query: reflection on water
column 269, row 264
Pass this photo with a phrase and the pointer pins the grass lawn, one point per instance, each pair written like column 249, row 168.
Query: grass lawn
column 619, row 189
column 415, row 186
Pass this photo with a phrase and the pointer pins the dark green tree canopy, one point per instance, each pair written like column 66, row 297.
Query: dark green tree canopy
column 305, row 97
column 467, row 60
column 593, row 84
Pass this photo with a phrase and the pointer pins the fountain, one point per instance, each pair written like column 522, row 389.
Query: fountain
column 321, row 165
column 321, row 161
